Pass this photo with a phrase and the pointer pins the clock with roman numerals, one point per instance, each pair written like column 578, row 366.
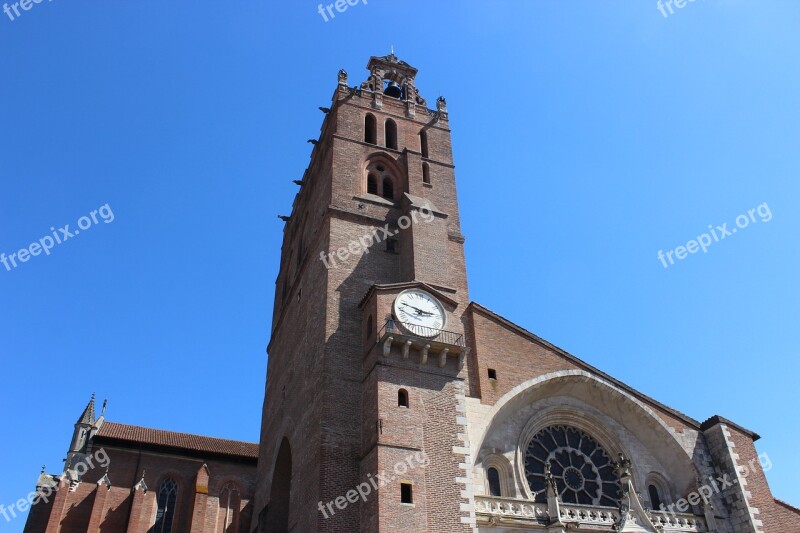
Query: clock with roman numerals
column 419, row 313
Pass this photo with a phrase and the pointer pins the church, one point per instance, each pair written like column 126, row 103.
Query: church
column 394, row 403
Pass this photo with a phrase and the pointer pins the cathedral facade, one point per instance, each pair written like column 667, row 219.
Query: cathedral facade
column 394, row 403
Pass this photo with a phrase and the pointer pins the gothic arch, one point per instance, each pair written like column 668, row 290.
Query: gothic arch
column 280, row 492
column 391, row 168
column 523, row 408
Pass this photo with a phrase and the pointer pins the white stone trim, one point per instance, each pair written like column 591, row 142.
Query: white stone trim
column 742, row 481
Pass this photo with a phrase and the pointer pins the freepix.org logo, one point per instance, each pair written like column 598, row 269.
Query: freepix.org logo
column 340, row 5
column 48, row 242
column 25, row 5
column 714, row 235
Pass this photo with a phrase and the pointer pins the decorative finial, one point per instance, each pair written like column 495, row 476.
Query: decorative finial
column 392, row 49
column 105, row 403
column 44, row 467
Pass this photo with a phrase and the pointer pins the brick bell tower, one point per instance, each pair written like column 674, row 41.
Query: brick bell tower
column 363, row 424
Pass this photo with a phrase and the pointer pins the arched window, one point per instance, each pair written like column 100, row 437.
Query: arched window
column 372, row 184
column 370, row 129
column 229, row 503
column 402, row 398
column 423, row 143
column 426, row 173
column 391, row 134
column 493, row 476
column 655, row 497
column 167, row 498
column 388, row 189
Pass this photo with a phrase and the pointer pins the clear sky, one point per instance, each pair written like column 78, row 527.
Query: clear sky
column 587, row 135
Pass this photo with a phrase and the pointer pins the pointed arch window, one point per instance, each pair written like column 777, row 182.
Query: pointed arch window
column 391, row 134
column 167, row 499
column 229, row 503
column 423, row 143
column 381, row 181
column 370, row 129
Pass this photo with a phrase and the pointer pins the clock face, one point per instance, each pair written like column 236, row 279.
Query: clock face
column 419, row 312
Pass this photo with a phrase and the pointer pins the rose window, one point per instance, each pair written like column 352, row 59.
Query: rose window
column 583, row 471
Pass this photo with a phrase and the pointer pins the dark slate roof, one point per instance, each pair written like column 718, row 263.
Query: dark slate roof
column 172, row 439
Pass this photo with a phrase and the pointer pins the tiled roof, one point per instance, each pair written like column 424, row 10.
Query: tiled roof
column 172, row 439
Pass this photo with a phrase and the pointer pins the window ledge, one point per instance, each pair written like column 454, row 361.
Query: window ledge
column 374, row 199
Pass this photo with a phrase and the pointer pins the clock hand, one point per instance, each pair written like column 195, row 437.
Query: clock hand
column 418, row 310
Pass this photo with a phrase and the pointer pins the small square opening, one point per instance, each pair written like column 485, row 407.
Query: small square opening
column 492, row 373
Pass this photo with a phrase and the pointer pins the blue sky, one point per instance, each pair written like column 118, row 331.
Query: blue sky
column 587, row 135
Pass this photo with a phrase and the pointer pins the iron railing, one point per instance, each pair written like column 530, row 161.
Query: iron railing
column 423, row 333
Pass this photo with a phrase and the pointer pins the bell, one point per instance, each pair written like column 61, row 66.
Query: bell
column 393, row 90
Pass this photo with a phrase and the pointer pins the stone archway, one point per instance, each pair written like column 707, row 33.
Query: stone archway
column 280, row 493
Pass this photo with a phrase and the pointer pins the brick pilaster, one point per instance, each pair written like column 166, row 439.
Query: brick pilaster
column 59, row 504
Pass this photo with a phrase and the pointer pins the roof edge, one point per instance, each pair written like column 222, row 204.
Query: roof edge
column 787, row 505
column 717, row 419
column 406, row 285
column 584, row 365
column 102, row 436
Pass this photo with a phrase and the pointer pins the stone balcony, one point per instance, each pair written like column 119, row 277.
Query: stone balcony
column 437, row 344
column 526, row 515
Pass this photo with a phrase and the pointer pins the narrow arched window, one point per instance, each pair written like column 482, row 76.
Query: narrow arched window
column 426, row 173
column 402, row 398
column 655, row 497
column 388, row 189
column 391, row 134
column 372, row 184
column 423, row 143
column 493, row 476
column 369, row 327
column 370, row 129
column 167, row 499
column 229, row 503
